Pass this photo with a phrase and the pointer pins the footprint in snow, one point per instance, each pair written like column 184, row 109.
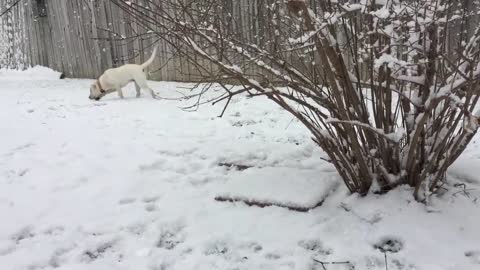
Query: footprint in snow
column 151, row 207
column 160, row 266
column 57, row 258
column 23, row 234
column 157, row 165
column 18, row 148
column 216, row 248
column 252, row 247
column 389, row 244
column 233, row 251
column 272, row 256
column 402, row 265
column 54, row 230
column 7, row 250
column 23, row 172
column 99, row 251
column 171, row 236
column 150, row 199
column 126, row 201
column 314, row 245
column 474, row 256
column 136, row 228
column 150, row 203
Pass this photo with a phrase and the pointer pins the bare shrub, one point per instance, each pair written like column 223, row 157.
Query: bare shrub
column 387, row 88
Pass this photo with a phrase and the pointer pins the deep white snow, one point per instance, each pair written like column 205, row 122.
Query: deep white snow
column 130, row 185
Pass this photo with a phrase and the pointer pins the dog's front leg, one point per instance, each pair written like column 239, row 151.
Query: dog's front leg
column 120, row 93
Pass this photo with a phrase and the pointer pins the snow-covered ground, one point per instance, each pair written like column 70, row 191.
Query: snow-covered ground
column 130, row 185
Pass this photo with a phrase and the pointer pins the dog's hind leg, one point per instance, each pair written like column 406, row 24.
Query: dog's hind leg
column 141, row 80
column 137, row 88
column 120, row 93
column 150, row 90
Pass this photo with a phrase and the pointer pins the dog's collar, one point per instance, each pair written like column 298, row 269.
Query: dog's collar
column 99, row 85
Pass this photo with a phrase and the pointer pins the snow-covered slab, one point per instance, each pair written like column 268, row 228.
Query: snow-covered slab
column 300, row 190
column 467, row 170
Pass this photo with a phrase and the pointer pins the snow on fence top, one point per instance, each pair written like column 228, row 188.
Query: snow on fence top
column 30, row 74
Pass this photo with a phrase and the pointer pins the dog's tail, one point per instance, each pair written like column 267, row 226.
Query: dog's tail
column 150, row 60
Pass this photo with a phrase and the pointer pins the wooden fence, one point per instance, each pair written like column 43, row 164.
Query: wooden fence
column 81, row 38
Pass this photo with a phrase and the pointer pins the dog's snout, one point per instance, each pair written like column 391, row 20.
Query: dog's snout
column 94, row 98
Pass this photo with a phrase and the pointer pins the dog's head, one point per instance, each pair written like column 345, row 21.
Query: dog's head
column 96, row 92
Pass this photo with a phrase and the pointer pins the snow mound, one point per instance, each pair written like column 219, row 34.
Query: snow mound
column 30, row 74
column 300, row 190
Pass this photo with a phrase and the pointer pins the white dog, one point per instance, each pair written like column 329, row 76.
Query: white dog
column 115, row 78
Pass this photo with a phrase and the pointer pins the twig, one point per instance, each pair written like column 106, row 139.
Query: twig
column 464, row 190
column 327, row 263
column 386, row 262
column 229, row 97
column 10, row 8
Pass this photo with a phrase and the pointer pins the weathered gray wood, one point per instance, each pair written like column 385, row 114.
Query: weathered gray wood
column 78, row 37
